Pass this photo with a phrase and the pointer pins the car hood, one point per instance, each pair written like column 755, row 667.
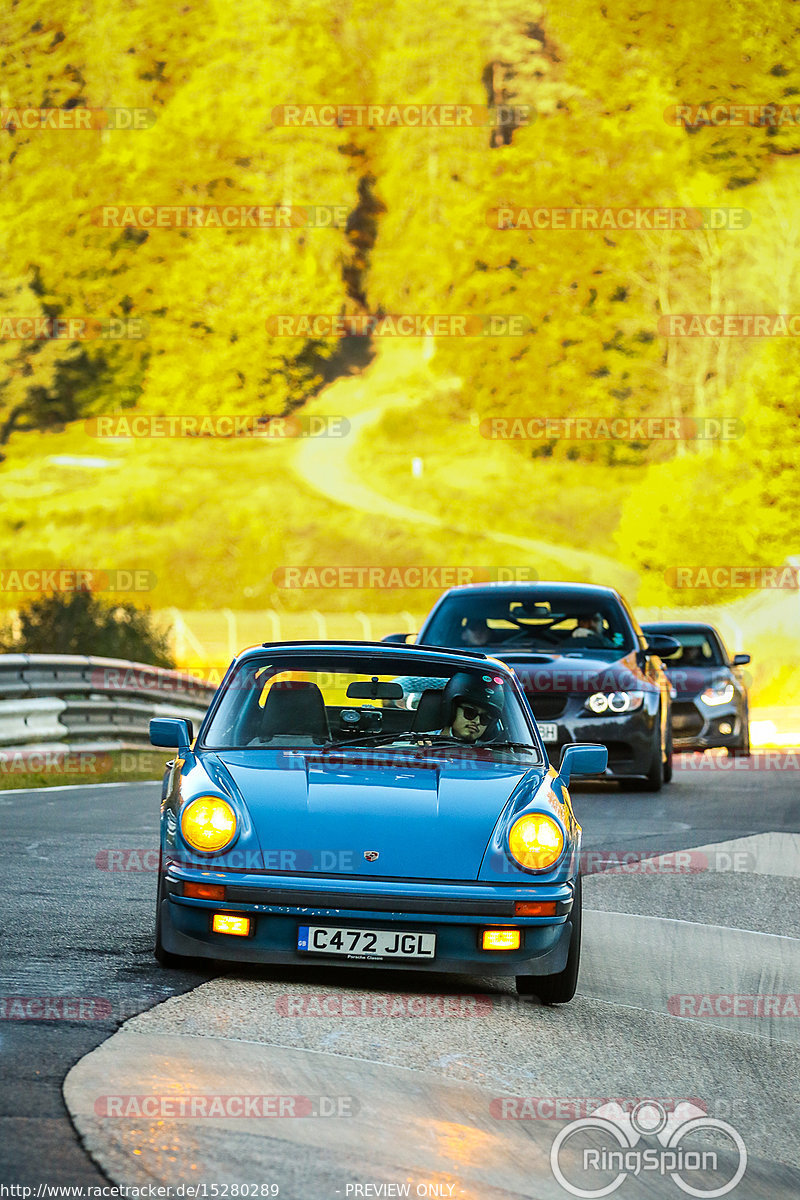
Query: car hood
column 430, row 821
column 556, row 674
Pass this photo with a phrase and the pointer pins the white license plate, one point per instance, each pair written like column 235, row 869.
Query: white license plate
column 365, row 943
column 549, row 732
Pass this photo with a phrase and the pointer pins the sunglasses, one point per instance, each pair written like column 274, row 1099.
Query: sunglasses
column 474, row 714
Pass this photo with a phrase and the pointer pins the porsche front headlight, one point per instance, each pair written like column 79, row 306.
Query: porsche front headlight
column 208, row 823
column 536, row 841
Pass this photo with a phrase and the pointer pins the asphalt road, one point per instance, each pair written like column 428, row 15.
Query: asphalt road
column 74, row 929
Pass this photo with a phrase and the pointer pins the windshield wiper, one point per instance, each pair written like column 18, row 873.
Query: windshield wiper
column 510, row 746
column 371, row 739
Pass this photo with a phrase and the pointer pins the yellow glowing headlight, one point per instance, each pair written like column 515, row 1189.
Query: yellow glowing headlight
column 208, row 823
column 536, row 841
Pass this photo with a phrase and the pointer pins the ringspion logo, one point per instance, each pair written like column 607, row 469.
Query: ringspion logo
column 613, row 1144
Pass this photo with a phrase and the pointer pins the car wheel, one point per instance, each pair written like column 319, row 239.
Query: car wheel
column 743, row 749
column 668, row 763
column 559, row 988
column 655, row 777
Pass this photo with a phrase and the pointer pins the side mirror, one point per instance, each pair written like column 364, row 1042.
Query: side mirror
column 662, row 645
column 171, row 732
column 741, row 660
column 398, row 637
column 582, row 758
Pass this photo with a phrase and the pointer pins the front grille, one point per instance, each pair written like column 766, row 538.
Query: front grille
column 547, row 708
column 686, row 720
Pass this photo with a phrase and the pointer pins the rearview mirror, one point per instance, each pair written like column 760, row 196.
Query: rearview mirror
column 398, row 637
column 582, row 758
column 374, row 691
column 741, row 660
column 171, row 732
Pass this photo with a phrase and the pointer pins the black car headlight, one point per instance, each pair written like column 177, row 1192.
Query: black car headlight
column 614, row 703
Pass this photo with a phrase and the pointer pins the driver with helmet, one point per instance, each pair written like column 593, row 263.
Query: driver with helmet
column 472, row 706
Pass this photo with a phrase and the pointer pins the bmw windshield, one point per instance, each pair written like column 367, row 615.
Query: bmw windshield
column 566, row 623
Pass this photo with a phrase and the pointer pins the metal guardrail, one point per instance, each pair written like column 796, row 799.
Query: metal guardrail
column 75, row 700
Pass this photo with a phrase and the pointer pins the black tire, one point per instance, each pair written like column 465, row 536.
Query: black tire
column 655, row 777
column 559, row 988
column 668, row 763
column 743, row 749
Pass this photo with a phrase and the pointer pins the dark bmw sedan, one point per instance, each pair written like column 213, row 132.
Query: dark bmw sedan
column 710, row 692
column 587, row 668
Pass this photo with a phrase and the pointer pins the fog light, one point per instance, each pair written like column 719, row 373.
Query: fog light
column 204, row 891
column 535, row 908
column 726, row 728
column 228, row 923
column 501, row 939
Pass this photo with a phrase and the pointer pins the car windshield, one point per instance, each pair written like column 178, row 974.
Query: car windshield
column 558, row 623
column 332, row 701
column 698, row 649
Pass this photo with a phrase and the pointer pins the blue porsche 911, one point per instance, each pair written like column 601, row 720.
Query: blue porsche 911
column 332, row 811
